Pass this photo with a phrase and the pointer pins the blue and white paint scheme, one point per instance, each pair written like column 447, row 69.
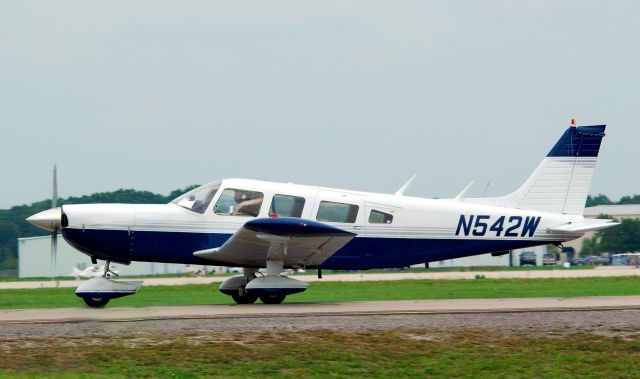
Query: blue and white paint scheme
column 259, row 224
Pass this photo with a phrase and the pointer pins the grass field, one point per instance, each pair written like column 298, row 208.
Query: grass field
column 399, row 352
column 322, row 353
column 345, row 291
column 331, row 272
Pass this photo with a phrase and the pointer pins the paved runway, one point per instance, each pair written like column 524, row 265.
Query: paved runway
column 64, row 315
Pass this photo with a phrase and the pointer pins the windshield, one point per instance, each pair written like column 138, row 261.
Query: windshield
column 198, row 200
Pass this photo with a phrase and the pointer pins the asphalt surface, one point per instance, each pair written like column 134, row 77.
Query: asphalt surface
column 614, row 315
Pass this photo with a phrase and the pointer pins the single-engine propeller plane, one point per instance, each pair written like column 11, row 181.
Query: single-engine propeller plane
column 259, row 224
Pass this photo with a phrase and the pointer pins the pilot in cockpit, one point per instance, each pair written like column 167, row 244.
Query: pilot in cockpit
column 246, row 205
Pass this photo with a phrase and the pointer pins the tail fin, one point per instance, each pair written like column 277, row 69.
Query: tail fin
column 561, row 182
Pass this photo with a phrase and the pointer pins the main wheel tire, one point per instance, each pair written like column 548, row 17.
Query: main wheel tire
column 273, row 298
column 95, row 302
column 241, row 297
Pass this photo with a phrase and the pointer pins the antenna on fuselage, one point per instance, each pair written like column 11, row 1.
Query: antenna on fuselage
column 400, row 192
column 461, row 194
column 486, row 187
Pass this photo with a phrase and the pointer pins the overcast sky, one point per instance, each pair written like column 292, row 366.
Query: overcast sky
column 158, row 95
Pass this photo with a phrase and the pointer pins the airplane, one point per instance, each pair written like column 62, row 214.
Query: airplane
column 257, row 224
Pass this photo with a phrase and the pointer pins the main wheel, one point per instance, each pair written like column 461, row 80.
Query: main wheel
column 242, row 297
column 272, row 298
column 95, row 302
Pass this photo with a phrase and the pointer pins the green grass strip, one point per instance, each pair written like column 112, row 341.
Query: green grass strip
column 336, row 354
column 345, row 291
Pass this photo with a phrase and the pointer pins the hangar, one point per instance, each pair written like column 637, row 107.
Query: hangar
column 34, row 260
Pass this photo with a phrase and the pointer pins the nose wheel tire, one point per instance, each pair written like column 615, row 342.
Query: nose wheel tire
column 243, row 297
column 95, row 302
column 272, row 299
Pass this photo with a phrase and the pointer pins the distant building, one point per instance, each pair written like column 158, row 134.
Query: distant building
column 34, row 260
column 626, row 211
column 489, row 260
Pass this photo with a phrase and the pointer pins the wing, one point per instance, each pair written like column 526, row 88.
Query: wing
column 297, row 242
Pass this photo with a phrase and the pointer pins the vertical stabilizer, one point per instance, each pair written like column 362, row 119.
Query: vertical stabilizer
column 561, row 182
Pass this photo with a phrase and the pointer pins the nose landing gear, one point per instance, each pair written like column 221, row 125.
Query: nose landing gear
column 96, row 292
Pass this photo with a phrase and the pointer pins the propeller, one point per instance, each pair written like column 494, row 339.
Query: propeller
column 55, row 227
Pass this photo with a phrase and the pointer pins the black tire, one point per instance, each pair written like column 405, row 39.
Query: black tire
column 273, row 298
column 95, row 302
column 241, row 297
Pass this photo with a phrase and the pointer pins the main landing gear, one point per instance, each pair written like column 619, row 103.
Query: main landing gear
column 96, row 292
column 270, row 288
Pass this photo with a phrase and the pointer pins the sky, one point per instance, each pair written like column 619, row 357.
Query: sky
column 159, row 95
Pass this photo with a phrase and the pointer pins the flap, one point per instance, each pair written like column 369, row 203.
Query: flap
column 297, row 242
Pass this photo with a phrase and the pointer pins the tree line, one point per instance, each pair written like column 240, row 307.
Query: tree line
column 601, row 199
column 624, row 238
column 14, row 226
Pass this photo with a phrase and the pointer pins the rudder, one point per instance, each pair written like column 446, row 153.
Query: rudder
column 560, row 183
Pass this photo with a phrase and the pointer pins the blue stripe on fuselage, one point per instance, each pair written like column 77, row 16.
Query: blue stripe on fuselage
column 359, row 254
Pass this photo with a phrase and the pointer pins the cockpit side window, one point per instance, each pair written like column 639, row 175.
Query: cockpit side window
column 378, row 217
column 239, row 202
column 286, row 206
column 337, row 212
column 198, row 200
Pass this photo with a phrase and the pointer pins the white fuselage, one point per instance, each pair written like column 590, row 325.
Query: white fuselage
column 391, row 230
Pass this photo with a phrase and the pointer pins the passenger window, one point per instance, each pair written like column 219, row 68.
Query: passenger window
column 238, row 202
column 286, row 206
column 337, row 212
column 377, row 217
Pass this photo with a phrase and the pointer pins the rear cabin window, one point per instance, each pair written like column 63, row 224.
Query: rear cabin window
column 378, row 217
column 286, row 206
column 239, row 202
column 337, row 212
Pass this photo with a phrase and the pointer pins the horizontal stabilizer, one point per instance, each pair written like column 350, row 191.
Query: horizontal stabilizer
column 586, row 226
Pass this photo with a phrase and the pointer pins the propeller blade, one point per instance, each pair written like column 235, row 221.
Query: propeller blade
column 54, row 198
column 54, row 232
column 54, row 250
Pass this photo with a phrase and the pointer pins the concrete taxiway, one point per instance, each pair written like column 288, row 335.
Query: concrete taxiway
column 119, row 314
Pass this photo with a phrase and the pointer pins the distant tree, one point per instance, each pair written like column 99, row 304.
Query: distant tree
column 590, row 246
column 180, row 192
column 599, row 199
column 624, row 238
column 128, row 196
column 14, row 226
column 9, row 233
column 635, row 199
